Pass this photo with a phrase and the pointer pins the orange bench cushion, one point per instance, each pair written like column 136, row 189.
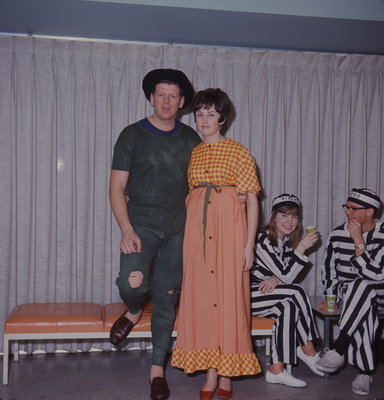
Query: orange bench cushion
column 262, row 323
column 114, row 310
column 55, row 317
column 84, row 317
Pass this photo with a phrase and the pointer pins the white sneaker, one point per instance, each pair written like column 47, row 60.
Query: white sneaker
column 329, row 361
column 361, row 384
column 310, row 361
column 285, row 379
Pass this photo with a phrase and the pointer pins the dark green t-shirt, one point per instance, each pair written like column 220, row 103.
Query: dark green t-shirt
column 157, row 163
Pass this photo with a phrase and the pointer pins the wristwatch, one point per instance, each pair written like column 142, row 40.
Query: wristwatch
column 360, row 246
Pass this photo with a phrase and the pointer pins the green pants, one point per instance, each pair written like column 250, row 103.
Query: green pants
column 165, row 252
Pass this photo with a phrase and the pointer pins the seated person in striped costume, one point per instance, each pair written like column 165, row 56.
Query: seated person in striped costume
column 353, row 269
column 280, row 256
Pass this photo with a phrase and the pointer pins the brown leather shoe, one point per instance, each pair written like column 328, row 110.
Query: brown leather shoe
column 159, row 389
column 120, row 329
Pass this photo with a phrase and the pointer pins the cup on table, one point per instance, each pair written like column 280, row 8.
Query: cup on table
column 309, row 229
column 330, row 300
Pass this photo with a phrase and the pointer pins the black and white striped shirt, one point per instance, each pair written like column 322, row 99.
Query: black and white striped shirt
column 340, row 265
column 281, row 261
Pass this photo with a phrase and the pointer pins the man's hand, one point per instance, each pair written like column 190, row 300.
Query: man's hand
column 130, row 243
column 268, row 286
column 354, row 229
column 323, row 306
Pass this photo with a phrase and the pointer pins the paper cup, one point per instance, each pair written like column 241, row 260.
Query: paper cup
column 330, row 299
column 310, row 229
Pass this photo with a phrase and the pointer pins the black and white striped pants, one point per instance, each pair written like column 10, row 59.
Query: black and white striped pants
column 289, row 306
column 359, row 320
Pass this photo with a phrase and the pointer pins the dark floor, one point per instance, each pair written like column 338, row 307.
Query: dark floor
column 124, row 376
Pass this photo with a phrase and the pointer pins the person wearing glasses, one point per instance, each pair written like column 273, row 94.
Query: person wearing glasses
column 353, row 270
column 280, row 257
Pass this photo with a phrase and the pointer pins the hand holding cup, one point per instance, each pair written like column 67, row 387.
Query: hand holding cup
column 311, row 237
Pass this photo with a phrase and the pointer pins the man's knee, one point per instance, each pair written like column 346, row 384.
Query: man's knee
column 132, row 284
column 300, row 292
column 135, row 279
column 361, row 288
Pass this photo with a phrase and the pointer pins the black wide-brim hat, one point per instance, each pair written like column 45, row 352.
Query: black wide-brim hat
column 170, row 75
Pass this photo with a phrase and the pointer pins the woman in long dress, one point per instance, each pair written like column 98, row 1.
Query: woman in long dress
column 214, row 314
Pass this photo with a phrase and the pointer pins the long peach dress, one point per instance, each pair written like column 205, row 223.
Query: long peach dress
column 214, row 313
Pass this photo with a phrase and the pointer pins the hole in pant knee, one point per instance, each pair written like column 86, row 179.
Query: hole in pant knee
column 135, row 279
column 172, row 291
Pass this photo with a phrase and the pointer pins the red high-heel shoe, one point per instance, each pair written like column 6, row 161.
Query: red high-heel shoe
column 224, row 394
column 206, row 394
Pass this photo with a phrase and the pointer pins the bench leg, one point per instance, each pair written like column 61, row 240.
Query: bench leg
column 16, row 351
column 268, row 346
column 5, row 360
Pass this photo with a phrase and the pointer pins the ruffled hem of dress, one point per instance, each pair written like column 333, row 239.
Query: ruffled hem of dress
column 226, row 364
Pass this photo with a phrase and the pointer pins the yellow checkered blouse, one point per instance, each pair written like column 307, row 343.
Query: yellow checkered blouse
column 223, row 163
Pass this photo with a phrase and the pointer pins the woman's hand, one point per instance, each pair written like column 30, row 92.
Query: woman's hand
column 307, row 241
column 249, row 258
column 242, row 196
column 268, row 286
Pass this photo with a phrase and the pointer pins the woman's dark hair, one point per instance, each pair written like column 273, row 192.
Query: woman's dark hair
column 294, row 237
column 212, row 97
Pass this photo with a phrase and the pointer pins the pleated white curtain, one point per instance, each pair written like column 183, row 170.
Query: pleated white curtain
column 313, row 121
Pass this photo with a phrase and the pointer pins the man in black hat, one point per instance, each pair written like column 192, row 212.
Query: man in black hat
column 150, row 164
column 353, row 270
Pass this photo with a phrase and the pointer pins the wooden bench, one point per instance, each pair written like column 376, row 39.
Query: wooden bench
column 53, row 321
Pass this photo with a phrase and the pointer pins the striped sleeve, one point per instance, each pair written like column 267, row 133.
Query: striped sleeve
column 340, row 263
column 370, row 264
column 285, row 266
column 327, row 268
